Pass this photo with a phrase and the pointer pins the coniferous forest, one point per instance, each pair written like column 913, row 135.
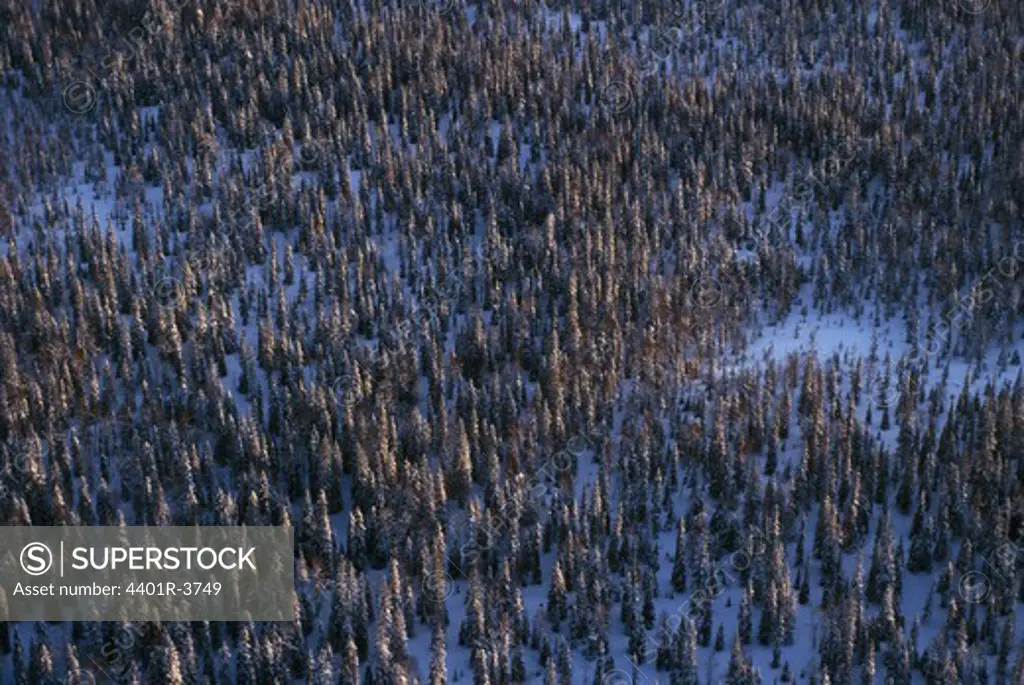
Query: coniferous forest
column 580, row 342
